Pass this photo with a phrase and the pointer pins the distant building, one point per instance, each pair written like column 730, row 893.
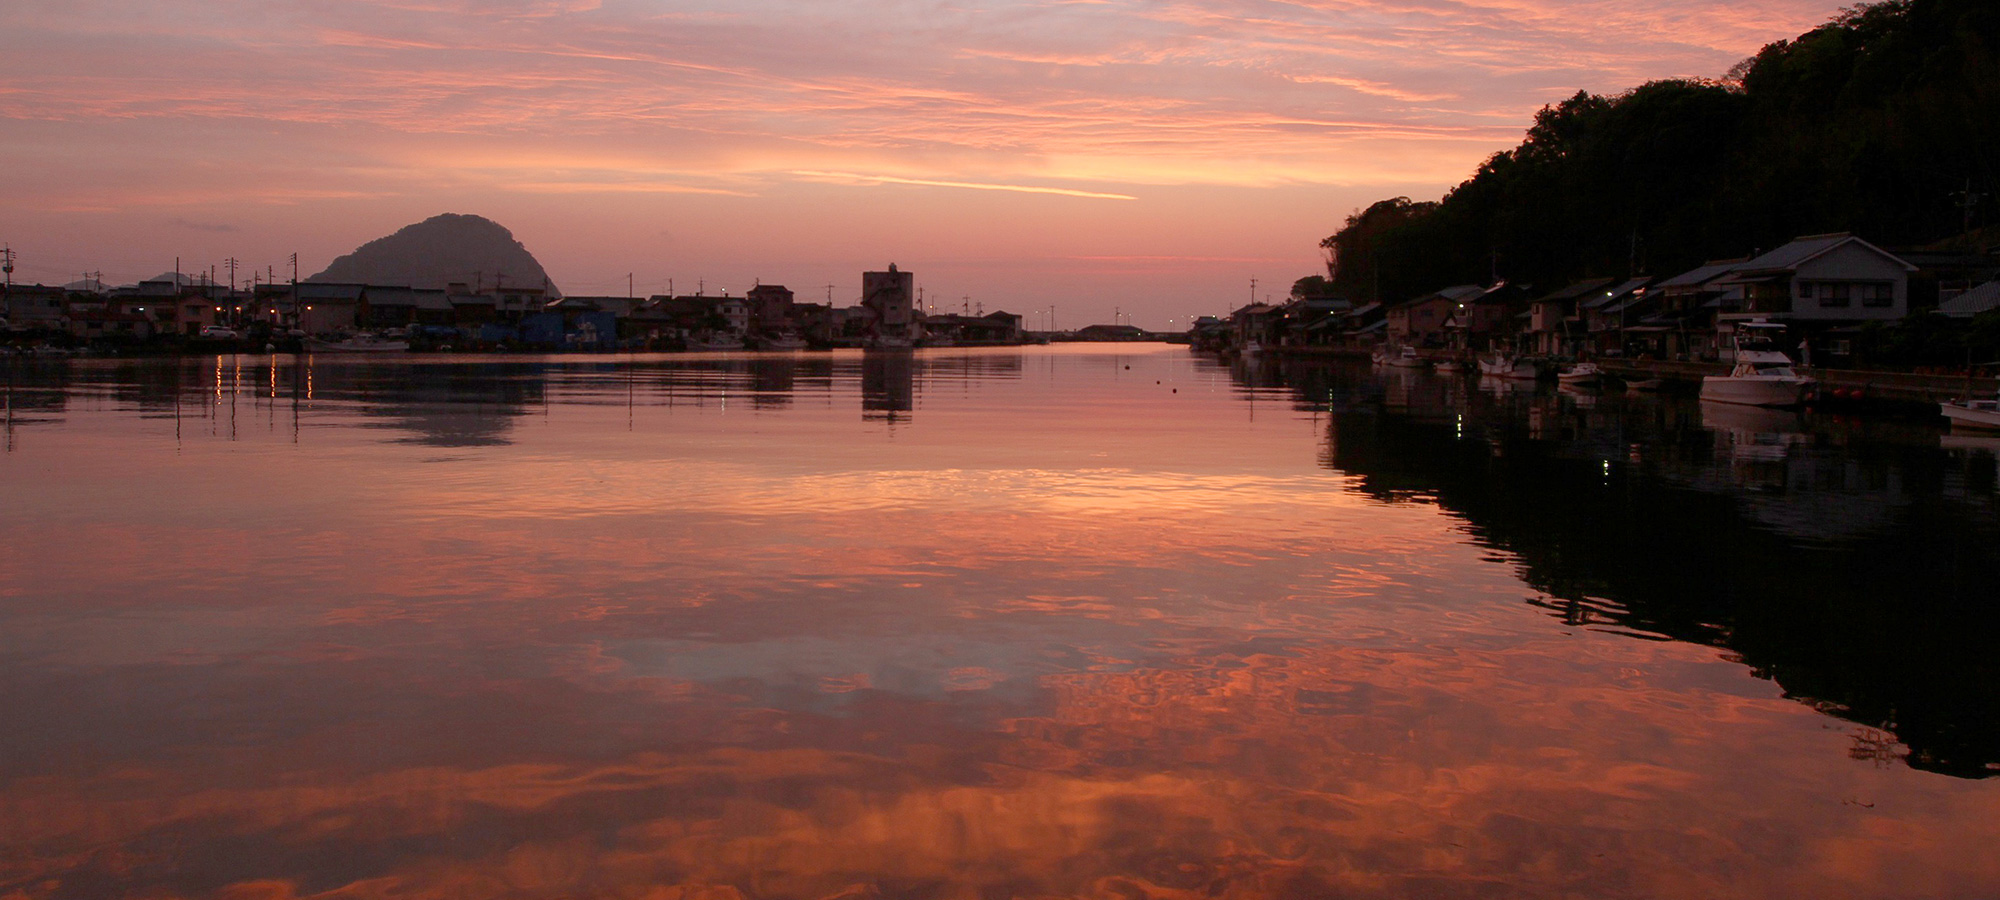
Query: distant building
column 770, row 308
column 1112, row 332
column 35, row 306
column 890, row 298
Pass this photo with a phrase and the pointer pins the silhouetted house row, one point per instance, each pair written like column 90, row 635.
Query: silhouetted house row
column 1821, row 289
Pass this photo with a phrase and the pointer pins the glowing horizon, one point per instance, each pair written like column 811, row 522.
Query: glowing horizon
column 789, row 143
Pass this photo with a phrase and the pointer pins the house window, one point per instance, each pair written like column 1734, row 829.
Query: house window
column 1876, row 293
column 1841, row 347
column 1832, row 293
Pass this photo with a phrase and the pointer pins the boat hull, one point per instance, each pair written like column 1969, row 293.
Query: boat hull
column 1512, row 370
column 315, row 345
column 1756, row 391
column 1979, row 414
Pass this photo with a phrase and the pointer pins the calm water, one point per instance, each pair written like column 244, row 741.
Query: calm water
column 1107, row 622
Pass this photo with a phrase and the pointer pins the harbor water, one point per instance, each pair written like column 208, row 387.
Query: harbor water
column 1104, row 621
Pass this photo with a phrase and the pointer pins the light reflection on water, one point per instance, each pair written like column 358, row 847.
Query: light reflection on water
column 1071, row 621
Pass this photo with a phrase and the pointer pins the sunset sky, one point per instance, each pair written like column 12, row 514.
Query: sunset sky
column 1148, row 157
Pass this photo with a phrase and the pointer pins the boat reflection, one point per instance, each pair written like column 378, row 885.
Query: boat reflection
column 1850, row 562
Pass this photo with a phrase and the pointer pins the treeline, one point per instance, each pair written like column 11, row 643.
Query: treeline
column 1875, row 123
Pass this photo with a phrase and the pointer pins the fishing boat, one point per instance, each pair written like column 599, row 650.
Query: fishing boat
column 715, row 342
column 1405, row 358
column 1448, row 367
column 1581, row 374
column 1759, row 378
column 1648, row 385
column 1509, row 367
column 784, row 341
column 355, row 343
column 1975, row 414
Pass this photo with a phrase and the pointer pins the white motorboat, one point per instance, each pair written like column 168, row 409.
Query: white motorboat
column 1975, row 414
column 1509, row 367
column 784, row 342
column 355, row 343
column 1759, row 378
column 715, row 342
column 1580, row 374
column 1405, row 358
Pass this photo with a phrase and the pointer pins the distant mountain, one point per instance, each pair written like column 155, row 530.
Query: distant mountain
column 438, row 251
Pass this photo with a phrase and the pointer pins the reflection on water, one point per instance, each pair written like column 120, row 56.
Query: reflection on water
column 1852, row 562
column 1071, row 621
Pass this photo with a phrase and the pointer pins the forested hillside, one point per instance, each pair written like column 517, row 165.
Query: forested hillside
column 1875, row 123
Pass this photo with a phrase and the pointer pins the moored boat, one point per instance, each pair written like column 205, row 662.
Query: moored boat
column 1759, row 378
column 1581, row 374
column 355, row 343
column 1448, row 367
column 1405, row 358
column 1509, row 367
column 1976, row 414
column 715, row 342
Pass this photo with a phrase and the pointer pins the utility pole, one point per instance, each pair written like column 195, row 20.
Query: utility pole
column 829, row 295
column 7, row 266
column 628, row 285
column 231, row 262
column 1968, row 201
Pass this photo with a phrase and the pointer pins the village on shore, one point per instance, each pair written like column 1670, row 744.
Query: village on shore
column 1820, row 298
column 176, row 313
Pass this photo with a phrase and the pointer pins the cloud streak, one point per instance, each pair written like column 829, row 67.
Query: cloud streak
column 847, row 178
column 346, row 112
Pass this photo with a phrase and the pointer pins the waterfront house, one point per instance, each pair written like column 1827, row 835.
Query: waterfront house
column 1484, row 322
column 1259, row 322
column 470, row 309
column 1607, row 315
column 770, row 308
column 1822, row 288
column 1314, row 320
column 1363, row 326
column 1687, row 307
column 1420, row 322
column 1555, row 327
column 395, row 307
column 328, row 308
column 114, row 321
column 36, row 306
